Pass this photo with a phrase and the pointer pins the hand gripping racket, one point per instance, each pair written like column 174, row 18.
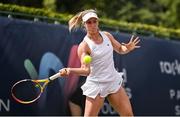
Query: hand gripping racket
column 28, row 91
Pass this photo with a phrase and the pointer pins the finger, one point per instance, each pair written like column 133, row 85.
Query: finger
column 137, row 46
column 123, row 43
column 136, row 39
column 136, row 42
column 132, row 37
column 60, row 71
column 61, row 74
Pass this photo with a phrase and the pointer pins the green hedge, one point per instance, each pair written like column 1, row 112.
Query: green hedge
column 144, row 29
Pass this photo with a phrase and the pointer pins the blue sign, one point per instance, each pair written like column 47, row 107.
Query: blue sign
column 38, row 50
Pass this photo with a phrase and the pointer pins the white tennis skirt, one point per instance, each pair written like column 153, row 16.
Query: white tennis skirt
column 93, row 88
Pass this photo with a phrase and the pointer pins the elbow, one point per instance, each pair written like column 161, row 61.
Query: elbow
column 87, row 71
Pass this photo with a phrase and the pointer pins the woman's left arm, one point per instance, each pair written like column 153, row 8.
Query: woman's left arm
column 124, row 48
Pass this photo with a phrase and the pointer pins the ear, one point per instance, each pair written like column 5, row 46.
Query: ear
column 83, row 25
column 84, row 28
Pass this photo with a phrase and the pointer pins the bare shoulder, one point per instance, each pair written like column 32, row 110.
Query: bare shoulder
column 83, row 45
column 108, row 34
column 83, row 48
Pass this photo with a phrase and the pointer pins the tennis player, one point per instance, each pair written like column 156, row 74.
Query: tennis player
column 102, row 78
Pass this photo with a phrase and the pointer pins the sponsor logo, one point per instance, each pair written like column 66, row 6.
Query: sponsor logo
column 4, row 105
column 170, row 68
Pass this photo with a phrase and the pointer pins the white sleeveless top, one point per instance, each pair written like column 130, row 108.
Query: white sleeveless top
column 102, row 65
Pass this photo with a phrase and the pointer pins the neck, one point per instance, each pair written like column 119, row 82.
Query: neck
column 93, row 36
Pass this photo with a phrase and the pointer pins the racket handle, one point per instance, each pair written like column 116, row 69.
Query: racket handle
column 54, row 76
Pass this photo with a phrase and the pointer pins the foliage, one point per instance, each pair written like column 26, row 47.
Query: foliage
column 145, row 29
column 50, row 5
column 154, row 12
column 35, row 12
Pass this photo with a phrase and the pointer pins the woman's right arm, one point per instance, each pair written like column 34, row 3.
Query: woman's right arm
column 84, row 70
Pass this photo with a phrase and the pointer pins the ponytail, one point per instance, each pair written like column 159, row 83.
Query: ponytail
column 76, row 21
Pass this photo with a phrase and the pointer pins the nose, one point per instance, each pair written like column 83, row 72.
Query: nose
column 91, row 22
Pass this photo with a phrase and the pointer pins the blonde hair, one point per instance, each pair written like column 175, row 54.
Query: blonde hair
column 76, row 21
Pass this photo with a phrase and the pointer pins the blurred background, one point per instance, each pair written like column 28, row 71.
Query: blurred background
column 35, row 43
column 157, row 12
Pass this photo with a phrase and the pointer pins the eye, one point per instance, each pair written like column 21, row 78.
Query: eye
column 94, row 21
column 91, row 22
column 88, row 22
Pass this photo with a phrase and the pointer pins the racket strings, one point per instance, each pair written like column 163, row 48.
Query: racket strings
column 26, row 91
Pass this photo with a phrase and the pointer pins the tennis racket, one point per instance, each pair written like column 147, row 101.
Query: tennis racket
column 28, row 91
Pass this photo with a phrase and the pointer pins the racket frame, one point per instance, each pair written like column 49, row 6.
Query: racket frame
column 42, row 87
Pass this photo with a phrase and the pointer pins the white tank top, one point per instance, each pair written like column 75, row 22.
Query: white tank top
column 102, row 65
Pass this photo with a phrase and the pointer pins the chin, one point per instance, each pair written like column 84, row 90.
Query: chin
column 93, row 31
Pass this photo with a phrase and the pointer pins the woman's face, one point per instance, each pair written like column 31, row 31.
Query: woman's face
column 91, row 25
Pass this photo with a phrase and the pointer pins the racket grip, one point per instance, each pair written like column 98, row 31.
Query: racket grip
column 54, row 76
